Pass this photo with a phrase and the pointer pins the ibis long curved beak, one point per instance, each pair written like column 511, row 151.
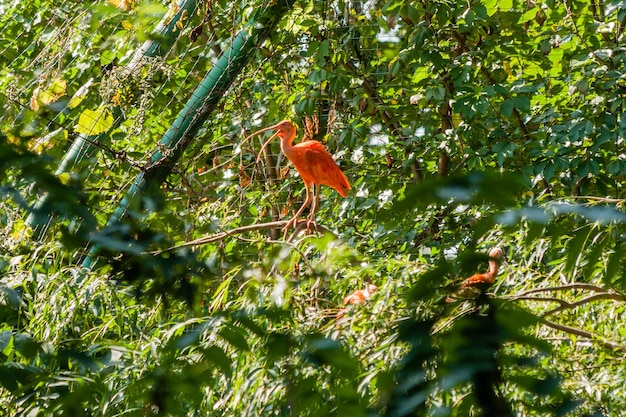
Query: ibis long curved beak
column 264, row 145
column 267, row 142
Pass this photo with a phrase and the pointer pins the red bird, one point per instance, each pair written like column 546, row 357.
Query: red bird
column 357, row 297
column 360, row 296
column 473, row 285
column 314, row 164
column 489, row 277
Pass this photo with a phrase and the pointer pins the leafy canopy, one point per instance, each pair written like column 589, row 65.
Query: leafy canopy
column 460, row 125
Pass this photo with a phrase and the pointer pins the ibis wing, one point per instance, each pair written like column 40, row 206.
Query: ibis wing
column 323, row 169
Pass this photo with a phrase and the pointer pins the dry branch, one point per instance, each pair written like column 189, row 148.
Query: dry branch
column 600, row 294
column 243, row 229
column 572, row 286
column 583, row 333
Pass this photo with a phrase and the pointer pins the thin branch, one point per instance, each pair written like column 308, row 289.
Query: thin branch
column 573, row 286
column 564, row 305
column 599, row 199
column 238, row 230
column 602, row 296
column 394, row 127
column 582, row 39
column 543, row 299
column 583, row 333
column 295, row 247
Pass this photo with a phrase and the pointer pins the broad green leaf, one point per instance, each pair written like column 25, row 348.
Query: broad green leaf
column 522, row 103
column 236, row 336
column 6, row 342
column 26, row 346
column 217, row 356
column 14, row 375
column 94, row 122
column 506, row 108
column 614, row 267
column 528, row 15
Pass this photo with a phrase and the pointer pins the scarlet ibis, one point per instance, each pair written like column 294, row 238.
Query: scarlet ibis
column 489, row 277
column 475, row 284
column 314, row 164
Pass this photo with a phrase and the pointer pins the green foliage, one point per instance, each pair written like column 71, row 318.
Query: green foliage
column 460, row 126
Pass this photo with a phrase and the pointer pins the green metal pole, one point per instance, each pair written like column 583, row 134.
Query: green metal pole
column 202, row 102
column 163, row 37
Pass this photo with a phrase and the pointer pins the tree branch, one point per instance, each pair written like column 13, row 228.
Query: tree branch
column 239, row 230
column 602, row 296
column 572, row 286
column 599, row 200
column 583, row 333
column 393, row 126
column 543, row 299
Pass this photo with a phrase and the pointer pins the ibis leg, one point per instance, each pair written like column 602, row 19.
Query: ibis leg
column 311, row 218
column 294, row 219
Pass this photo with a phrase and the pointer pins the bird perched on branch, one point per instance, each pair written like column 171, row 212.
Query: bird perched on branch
column 314, row 164
column 489, row 277
column 475, row 284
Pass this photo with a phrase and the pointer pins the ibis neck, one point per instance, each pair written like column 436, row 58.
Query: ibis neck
column 286, row 143
column 493, row 268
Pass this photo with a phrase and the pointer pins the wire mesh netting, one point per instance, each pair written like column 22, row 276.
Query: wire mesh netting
column 410, row 98
column 96, row 87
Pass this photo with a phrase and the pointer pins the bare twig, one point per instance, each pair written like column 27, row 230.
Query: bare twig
column 585, row 334
column 238, row 230
column 602, row 296
column 295, row 247
column 572, row 286
column 582, row 39
column 542, row 299
column 599, row 200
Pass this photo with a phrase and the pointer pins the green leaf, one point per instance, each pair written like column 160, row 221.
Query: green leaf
column 235, row 336
column 13, row 297
column 576, row 247
column 217, row 356
column 521, row 103
column 491, row 6
column 6, row 342
column 528, row 15
column 548, row 171
column 614, row 266
column 15, row 375
column 26, row 346
column 94, row 122
column 506, row 108
column 330, row 352
column 505, row 5
column 321, row 54
column 107, row 57
column 305, row 106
